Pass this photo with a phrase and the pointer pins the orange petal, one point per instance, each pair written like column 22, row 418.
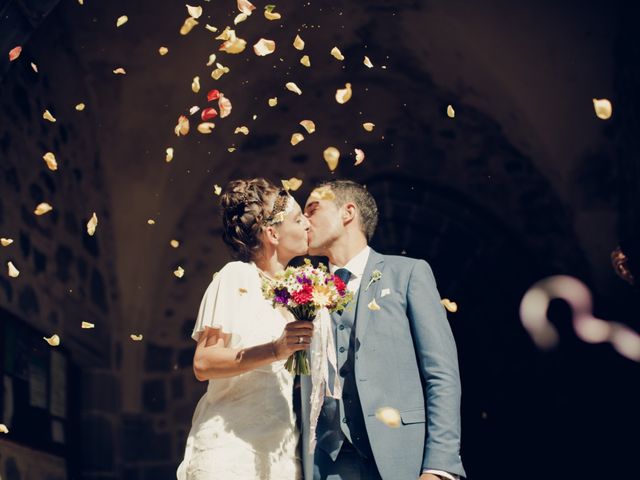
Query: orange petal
column 245, row 6
column 151, row 221
column 14, row 53
column 264, row 47
column 212, row 59
column 332, row 156
column 206, row 127
column 308, row 125
column 194, row 12
column 174, row 243
column 368, row 126
column 603, row 108
column 224, row 105
column 343, row 94
column 269, row 14
column 217, row 189
column 243, row 130
column 121, row 20
column 359, row 156
column 389, row 416
column 120, row 71
column 305, row 61
column 43, row 208
column 136, row 338
column 3, row 428
column 182, row 128
column 233, row 46
column 5, row 242
column 292, row 184
column 449, row 305
column 292, row 87
column 367, row 62
column 188, row 25
column 169, row 156
column 54, row 340
column 80, row 107
column 296, row 138
column 12, row 270
column 163, row 51
column 50, row 159
column 47, row 116
column 273, row 101
column 34, row 67
column 298, row 43
column 337, row 54
column 92, row 224
column 450, row 111
column 87, row 325
column 179, row 272
column 195, row 84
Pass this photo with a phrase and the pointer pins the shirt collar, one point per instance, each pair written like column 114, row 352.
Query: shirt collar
column 357, row 264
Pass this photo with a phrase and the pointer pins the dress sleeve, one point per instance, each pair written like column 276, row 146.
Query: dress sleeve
column 221, row 305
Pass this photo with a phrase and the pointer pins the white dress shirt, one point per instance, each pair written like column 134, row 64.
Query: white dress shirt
column 356, row 266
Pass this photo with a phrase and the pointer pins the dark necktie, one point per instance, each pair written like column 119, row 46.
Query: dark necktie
column 343, row 274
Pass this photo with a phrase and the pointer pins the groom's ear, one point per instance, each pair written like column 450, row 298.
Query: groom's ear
column 349, row 212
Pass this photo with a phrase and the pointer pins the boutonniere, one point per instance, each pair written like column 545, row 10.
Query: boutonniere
column 375, row 276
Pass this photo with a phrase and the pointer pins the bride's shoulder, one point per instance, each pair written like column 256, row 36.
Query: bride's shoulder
column 235, row 272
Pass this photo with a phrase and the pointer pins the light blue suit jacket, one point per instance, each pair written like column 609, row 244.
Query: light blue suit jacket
column 405, row 358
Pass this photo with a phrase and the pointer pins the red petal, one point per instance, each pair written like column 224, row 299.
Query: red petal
column 208, row 113
column 213, row 95
column 14, row 53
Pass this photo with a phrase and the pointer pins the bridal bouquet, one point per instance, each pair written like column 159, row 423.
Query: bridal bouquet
column 304, row 291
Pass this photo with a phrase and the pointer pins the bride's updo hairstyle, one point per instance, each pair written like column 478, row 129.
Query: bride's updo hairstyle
column 245, row 205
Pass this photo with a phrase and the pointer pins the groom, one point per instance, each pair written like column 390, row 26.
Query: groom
column 394, row 348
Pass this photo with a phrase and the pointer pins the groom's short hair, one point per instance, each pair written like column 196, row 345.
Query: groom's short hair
column 349, row 191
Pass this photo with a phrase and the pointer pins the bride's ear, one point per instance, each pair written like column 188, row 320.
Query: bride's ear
column 271, row 235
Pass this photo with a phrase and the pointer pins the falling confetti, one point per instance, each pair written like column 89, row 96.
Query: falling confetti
column 206, row 127
column 50, row 160
column 264, row 47
column 3, row 428
column 5, row 242
column 151, row 221
column 243, row 130
column 240, row 18
column 292, row 87
column 136, row 338
column 12, row 270
column 389, row 416
column 292, row 184
column 535, row 304
column 92, row 224
column 54, row 340
column 273, row 101
column 14, row 53
column 233, row 45
column 188, row 25
column 174, row 243
column 34, row 67
column 182, row 128
column 373, row 305
column 195, row 84
column 298, row 43
column 219, row 71
column 305, row 61
column 603, row 108
column 323, row 193
column 211, row 28
column 163, row 51
column 120, row 71
column 296, row 138
column 179, row 272
column 224, row 105
column 122, row 20
column 169, row 155
column 245, row 6
column 269, row 13
column 335, row 53
column 231, row 149
column 212, row 59
column 367, row 62
column 368, row 126
column 80, row 107
column 194, row 109
column 43, row 208
column 242, row 291
column 194, row 12
column 47, row 116
column 308, row 125
column 359, row 156
column 449, row 305
column 217, row 189
column 343, row 95
column 331, row 156
column 213, row 95
column 87, row 325
column 450, row 112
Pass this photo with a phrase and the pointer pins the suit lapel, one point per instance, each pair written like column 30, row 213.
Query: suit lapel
column 365, row 295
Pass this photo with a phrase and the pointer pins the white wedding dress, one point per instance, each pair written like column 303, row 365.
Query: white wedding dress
column 244, row 426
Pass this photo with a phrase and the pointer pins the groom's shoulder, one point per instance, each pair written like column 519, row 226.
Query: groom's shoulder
column 401, row 261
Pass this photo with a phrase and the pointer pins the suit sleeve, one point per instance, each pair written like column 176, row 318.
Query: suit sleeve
column 438, row 363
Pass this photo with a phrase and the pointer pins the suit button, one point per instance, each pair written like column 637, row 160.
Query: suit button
column 341, row 349
column 341, row 327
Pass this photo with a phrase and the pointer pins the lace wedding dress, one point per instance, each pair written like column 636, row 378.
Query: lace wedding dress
column 244, row 426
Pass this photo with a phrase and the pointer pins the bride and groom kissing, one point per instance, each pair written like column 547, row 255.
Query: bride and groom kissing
column 394, row 348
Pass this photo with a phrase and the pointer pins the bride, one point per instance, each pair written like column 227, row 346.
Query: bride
column 244, row 425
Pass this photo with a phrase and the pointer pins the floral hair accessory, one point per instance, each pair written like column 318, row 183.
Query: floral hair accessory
column 282, row 206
